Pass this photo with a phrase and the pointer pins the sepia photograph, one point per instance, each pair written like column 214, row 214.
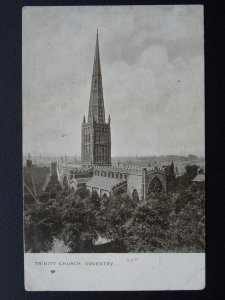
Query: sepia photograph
column 113, row 129
column 113, row 147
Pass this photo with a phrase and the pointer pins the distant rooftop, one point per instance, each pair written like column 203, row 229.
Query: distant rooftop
column 71, row 165
column 34, row 179
column 199, row 178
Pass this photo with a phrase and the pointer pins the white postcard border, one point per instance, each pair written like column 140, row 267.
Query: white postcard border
column 114, row 272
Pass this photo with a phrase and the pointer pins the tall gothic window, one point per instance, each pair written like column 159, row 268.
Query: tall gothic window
column 155, row 186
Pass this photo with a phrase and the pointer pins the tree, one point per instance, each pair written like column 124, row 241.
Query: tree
column 41, row 222
column 186, row 179
column 172, row 222
column 163, row 223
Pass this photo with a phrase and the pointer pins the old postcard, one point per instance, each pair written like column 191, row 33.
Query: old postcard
column 113, row 148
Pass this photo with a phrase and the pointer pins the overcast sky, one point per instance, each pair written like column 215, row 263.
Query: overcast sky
column 152, row 60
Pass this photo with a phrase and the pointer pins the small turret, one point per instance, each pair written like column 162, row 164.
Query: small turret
column 84, row 119
column 109, row 120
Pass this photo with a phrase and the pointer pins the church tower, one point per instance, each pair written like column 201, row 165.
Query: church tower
column 96, row 133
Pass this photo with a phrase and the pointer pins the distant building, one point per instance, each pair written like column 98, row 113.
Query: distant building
column 199, row 181
column 40, row 182
column 199, row 178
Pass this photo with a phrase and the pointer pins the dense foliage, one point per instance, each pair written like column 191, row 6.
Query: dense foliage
column 174, row 222
column 165, row 223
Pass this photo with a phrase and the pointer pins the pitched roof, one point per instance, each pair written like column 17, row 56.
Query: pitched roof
column 103, row 182
column 199, row 178
column 47, row 179
column 34, row 178
column 82, row 180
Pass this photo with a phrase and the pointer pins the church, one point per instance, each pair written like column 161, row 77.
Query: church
column 96, row 132
column 97, row 173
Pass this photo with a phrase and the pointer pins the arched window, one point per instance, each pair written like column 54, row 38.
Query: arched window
column 104, row 197
column 155, row 186
column 65, row 181
column 135, row 195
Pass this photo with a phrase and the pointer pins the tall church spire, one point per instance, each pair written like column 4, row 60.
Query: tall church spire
column 96, row 133
column 96, row 110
